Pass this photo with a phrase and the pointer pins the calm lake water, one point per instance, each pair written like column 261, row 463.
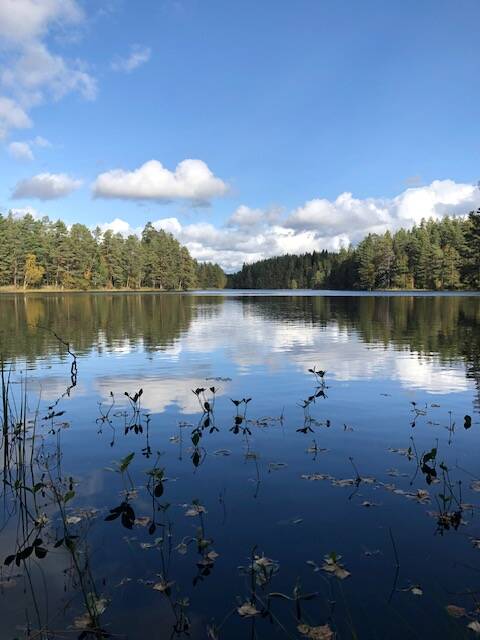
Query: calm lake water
column 214, row 507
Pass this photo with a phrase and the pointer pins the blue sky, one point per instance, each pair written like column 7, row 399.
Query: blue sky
column 309, row 123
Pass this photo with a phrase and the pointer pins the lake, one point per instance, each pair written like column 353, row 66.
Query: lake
column 285, row 464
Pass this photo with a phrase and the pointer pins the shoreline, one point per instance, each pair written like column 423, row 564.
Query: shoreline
column 274, row 292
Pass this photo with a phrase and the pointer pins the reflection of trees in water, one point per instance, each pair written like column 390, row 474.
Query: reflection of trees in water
column 98, row 321
column 447, row 326
column 444, row 326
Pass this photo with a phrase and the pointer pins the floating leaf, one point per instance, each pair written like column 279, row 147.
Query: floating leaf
column 332, row 565
column 195, row 510
column 163, row 586
column 97, row 606
column 275, row 466
column 414, row 590
column 347, row 482
column 324, row 632
column 248, row 610
column 316, row 476
column 182, row 548
column 454, row 611
column 474, row 626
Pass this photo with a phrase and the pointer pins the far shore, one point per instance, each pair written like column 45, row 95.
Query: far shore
column 348, row 292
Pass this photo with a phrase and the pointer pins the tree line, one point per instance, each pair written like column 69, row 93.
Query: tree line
column 44, row 253
column 436, row 254
column 36, row 253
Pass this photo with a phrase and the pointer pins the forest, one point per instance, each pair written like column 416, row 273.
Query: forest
column 436, row 255
column 41, row 253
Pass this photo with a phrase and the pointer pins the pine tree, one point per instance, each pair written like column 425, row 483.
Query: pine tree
column 472, row 253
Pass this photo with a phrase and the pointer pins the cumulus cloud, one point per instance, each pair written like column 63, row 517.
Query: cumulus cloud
column 12, row 116
column 253, row 234
column 24, row 20
column 31, row 73
column 138, row 55
column 192, row 181
column 37, row 73
column 20, row 151
column 46, row 186
column 245, row 216
column 24, row 211
column 356, row 217
column 23, row 150
column 118, row 226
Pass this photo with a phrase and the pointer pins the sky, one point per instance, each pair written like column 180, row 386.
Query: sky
column 245, row 128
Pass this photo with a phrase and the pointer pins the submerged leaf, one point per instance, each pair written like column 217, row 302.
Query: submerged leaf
column 454, row 611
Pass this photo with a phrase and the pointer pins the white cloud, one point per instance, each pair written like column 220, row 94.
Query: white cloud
column 20, row 151
column 138, row 55
column 39, row 141
column 24, row 20
column 245, row 216
column 192, row 180
column 12, row 116
column 253, row 234
column 23, row 211
column 170, row 225
column 46, row 186
column 356, row 217
column 118, row 226
column 31, row 73
column 37, row 74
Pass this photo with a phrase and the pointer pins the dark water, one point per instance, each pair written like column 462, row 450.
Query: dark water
column 345, row 475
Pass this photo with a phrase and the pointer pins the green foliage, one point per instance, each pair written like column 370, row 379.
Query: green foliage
column 42, row 253
column 434, row 255
column 211, row 276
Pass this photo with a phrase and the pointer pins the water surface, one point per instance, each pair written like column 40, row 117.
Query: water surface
column 315, row 464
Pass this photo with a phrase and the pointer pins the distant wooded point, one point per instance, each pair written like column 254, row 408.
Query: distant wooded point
column 436, row 255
